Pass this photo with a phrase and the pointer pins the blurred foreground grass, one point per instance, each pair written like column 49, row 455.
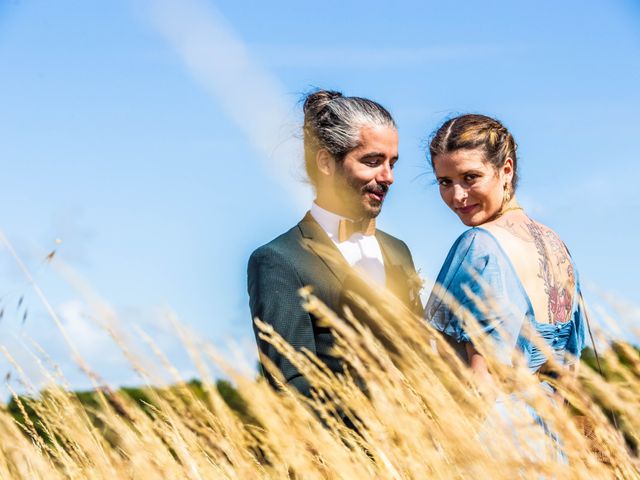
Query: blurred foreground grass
column 413, row 412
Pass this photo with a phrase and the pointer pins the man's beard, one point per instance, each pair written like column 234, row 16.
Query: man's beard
column 354, row 195
column 372, row 208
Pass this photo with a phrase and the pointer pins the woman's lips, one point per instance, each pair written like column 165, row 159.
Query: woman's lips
column 466, row 210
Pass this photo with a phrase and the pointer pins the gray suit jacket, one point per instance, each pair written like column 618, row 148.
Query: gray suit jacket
column 297, row 258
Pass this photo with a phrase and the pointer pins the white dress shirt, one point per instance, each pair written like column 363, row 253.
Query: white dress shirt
column 360, row 251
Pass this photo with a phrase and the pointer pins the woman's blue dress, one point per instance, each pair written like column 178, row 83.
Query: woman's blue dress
column 478, row 274
column 479, row 281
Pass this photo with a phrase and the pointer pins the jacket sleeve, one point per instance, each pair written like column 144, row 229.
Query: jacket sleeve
column 273, row 285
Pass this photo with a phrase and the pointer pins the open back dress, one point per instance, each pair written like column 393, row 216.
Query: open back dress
column 478, row 292
column 479, row 280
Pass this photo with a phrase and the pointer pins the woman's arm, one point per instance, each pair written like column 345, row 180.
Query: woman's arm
column 484, row 380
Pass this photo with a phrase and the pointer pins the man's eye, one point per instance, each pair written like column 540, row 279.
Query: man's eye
column 443, row 182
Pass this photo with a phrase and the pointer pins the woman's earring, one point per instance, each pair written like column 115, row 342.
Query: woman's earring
column 507, row 194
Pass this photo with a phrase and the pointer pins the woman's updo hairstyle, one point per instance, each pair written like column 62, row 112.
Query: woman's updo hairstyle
column 472, row 131
column 333, row 122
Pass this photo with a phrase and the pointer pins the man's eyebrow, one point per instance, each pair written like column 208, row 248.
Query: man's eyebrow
column 372, row 154
column 377, row 154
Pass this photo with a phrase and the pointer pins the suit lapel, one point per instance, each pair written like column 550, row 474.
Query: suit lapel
column 317, row 240
column 391, row 262
column 397, row 275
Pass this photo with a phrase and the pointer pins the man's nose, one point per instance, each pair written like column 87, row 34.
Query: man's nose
column 459, row 193
column 385, row 174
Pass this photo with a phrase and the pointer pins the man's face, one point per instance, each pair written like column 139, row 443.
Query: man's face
column 362, row 179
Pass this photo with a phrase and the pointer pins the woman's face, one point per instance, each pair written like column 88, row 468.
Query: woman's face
column 471, row 186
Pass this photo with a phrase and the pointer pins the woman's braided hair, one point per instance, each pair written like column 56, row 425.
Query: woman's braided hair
column 472, row 131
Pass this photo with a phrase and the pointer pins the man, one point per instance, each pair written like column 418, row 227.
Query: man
column 351, row 147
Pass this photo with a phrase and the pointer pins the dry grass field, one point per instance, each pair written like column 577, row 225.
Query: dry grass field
column 412, row 406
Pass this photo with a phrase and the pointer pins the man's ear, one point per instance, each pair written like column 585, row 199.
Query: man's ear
column 325, row 162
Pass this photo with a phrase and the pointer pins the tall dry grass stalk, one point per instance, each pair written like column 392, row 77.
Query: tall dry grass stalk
column 413, row 411
column 406, row 407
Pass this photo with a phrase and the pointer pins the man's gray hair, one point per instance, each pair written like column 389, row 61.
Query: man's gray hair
column 333, row 122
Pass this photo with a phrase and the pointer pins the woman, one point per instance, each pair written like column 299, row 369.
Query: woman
column 508, row 279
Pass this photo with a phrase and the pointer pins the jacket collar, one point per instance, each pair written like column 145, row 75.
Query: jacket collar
column 389, row 255
column 319, row 242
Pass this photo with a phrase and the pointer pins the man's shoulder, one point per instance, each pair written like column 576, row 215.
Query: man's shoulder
column 393, row 242
column 283, row 245
column 396, row 249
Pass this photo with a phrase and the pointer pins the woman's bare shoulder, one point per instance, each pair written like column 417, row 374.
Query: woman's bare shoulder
column 510, row 227
column 519, row 226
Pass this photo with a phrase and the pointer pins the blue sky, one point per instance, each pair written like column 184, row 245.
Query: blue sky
column 159, row 140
